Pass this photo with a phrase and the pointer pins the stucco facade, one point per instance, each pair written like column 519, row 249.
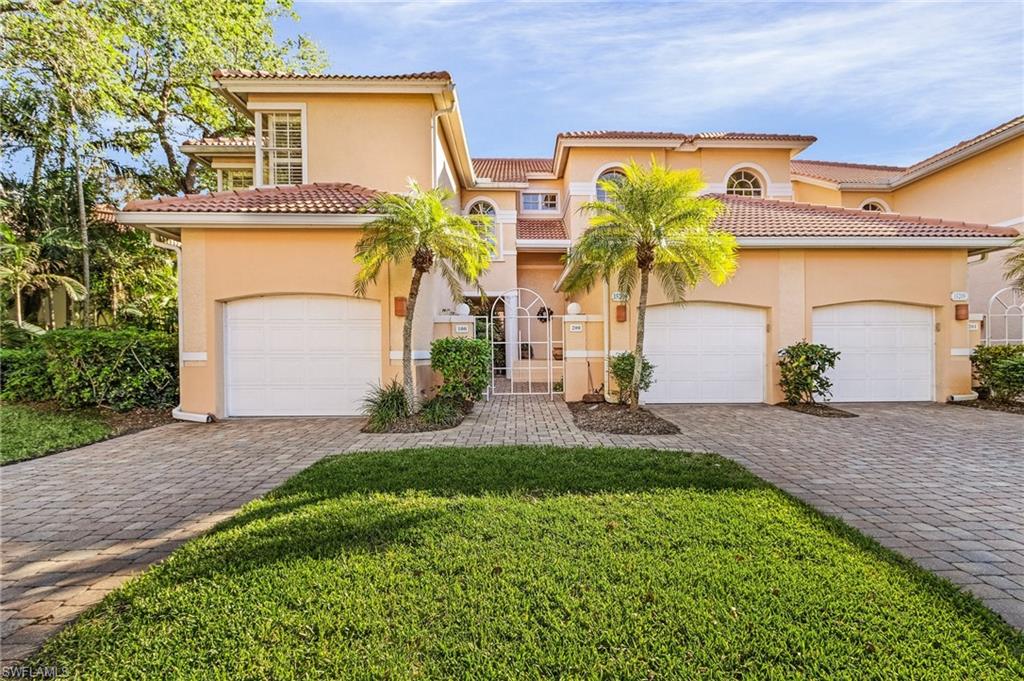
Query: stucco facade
column 375, row 135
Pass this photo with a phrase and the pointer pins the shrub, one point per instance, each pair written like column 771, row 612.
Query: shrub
column 1006, row 378
column 621, row 366
column 803, row 367
column 985, row 357
column 23, row 375
column 464, row 365
column 384, row 405
column 120, row 368
column 441, row 411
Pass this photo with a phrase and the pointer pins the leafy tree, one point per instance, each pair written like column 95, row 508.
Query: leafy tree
column 21, row 269
column 652, row 222
column 1015, row 264
column 420, row 229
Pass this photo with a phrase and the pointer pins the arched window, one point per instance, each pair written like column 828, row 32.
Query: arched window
column 485, row 209
column 744, row 183
column 611, row 175
column 874, row 206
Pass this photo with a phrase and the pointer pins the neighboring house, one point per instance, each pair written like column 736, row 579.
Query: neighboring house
column 977, row 180
column 270, row 325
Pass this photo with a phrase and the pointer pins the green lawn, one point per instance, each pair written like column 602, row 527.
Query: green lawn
column 27, row 432
column 519, row 562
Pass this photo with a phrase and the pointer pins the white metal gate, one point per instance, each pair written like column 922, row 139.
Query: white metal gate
column 527, row 345
column 1004, row 324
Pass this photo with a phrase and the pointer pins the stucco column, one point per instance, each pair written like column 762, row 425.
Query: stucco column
column 511, row 331
column 790, row 319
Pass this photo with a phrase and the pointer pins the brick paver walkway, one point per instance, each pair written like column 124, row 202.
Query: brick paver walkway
column 940, row 484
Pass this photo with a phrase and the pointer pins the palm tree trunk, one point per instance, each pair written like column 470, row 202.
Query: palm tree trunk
column 51, row 315
column 410, row 309
column 83, row 223
column 638, row 352
column 17, row 305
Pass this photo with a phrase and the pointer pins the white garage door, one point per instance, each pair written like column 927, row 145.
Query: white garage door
column 300, row 355
column 705, row 352
column 887, row 351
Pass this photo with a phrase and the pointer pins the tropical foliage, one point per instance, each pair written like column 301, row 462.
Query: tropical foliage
column 464, row 365
column 22, row 269
column 652, row 222
column 1015, row 264
column 419, row 229
column 986, row 361
column 623, row 369
column 803, row 370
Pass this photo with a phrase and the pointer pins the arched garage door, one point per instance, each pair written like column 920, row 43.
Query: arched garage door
column 706, row 352
column 888, row 351
column 300, row 355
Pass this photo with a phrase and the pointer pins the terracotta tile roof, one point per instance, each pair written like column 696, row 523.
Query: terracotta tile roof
column 834, row 171
column 510, row 169
column 246, row 141
column 540, row 228
column 245, row 73
column 321, row 198
column 749, row 217
column 684, row 137
column 960, row 146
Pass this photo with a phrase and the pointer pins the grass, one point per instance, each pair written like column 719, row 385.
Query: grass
column 27, row 432
column 534, row 562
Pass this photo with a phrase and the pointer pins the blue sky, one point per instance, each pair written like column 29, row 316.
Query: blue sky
column 875, row 82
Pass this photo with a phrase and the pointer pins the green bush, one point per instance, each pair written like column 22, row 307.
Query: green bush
column 803, row 367
column 118, row 368
column 1006, row 379
column 985, row 357
column 441, row 411
column 621, row 366
column 464, row 365
column 384, row 405
column 23, row 375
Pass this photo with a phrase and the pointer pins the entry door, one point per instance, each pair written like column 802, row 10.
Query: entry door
column 887, row 351
column 300, row 355
column 706, row 352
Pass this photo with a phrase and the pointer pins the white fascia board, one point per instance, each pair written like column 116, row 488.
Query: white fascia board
column 752, row 144
column 875, row 242
column 484, row 183
column 240, row 219
column 962, row 155
column 796, row 177
column 542, row 244
column 1012, row 222
column 214, row 150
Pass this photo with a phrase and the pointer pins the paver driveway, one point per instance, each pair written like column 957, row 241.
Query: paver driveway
column 938, row 483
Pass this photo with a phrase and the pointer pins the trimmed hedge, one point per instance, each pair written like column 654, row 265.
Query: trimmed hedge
column 465, row 366
column 118, row 368
column 1007, row 378
column 985, row 358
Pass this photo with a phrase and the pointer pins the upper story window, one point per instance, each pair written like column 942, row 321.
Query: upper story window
column 744, row 183
column 874, row 206
column 236, row 178
column 540, row 201
column 614, row 175
column 485, row 209
column 280, row 147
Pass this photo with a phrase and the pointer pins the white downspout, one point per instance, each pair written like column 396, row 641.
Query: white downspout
column 433, row 143
column 176, row 249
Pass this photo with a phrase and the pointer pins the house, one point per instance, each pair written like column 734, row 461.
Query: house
column 270, row 324
column 978, row 180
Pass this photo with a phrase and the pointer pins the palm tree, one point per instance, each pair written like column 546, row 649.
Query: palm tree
column 1015, row 264
column 23, row 270
column 421, row 229
column 651, row 222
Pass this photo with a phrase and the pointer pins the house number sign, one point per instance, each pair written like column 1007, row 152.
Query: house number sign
column 575, row 328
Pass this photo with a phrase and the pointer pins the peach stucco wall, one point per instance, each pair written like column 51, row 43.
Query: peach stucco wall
column 790, row 284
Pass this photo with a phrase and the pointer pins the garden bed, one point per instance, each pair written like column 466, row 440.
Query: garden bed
column 416, row 424
column 603, row 417
column 34, row 429
column 818, row 409
column 1005, row 406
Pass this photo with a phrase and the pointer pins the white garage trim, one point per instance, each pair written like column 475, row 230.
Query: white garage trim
column 706, row 352
column 300, row 355
column 887, row 350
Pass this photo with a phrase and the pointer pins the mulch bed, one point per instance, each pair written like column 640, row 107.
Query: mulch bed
column 1005, row 406
column 818, row 409
column 122, row 423
column 602, row 417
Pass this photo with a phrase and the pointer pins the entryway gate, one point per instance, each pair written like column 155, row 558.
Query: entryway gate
column 527, row 345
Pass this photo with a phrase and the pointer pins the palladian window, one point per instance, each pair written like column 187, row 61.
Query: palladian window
column 614, row 175
column 874, row 206
column 744, row 183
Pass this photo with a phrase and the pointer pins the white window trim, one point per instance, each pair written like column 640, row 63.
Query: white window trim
column 621, row 167
column 880, row 202
column 265, row 107
column 542, row 211
column 766, row 180
column 499, row 224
